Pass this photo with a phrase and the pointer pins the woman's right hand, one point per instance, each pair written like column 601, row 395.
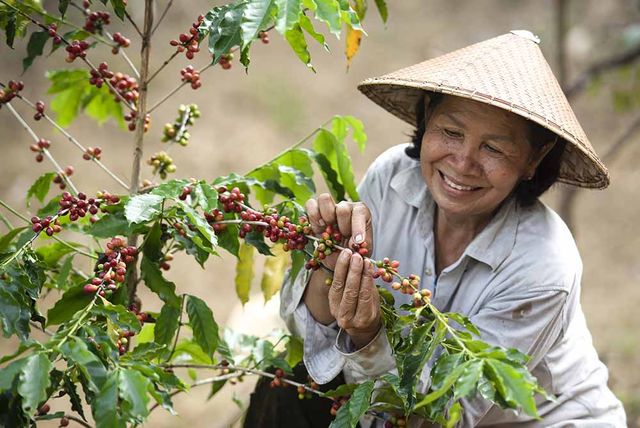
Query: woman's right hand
column 352, row 218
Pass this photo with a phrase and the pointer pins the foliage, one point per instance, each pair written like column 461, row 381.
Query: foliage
column 107, row 355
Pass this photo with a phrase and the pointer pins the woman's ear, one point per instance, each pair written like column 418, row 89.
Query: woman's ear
column 537, row 157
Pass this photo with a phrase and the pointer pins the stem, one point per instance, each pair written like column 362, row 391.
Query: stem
column 6, row 221
column 72, row 140
column 164, row 13
column 292, row 147
column 177, row 137
column 40, row 328
column 175, row 341
column 142, row 113
column 77, row 250
column 46, row 152
column 71, row 418
column 133, row 23
column 176, row 89
column 164, row 64
column 14, row 212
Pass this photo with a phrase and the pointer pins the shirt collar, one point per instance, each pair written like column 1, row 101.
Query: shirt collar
column 491, row 246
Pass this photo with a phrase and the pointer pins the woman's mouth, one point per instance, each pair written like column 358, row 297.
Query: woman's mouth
column 455, row 185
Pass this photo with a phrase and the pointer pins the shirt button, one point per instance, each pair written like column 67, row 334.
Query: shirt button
column 427, row 272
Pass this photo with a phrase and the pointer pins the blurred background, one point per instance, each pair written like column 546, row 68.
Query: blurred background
column 248, row 118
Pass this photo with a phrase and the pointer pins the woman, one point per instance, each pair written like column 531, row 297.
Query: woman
column 460, row 208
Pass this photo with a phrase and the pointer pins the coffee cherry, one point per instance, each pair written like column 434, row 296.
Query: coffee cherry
column 162, row 164
column 264, row 37
column 10, row 91
column 122, row 41
column 190, row 75
column 64, row 421
column 43, row 410
column 225, row 61
column 95, row 21
column 188, row 42
column 75, row 49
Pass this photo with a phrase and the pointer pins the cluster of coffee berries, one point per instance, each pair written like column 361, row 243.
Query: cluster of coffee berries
column 98, row 76
column 264, row 37
column 49, row 224
column 191, row 75
column 123, row 339
column 188, row 42
column 162, row 164
column 78, row 206
column 177, row 131
column 122, row 42
column 231, row 200
column 10, row 91
column 395, row 422
column 225, row 61
column 39, row 111
column 108, row 198
column 39, row 148
column 213, row 218
column 386, row 269
column 277, row 380
column 75, row 49
column 304, row 392
column 59, row 179
column 142, row 316
column 361, row 248
column 325, row 246
column 127, row 87
column 186, row 191
column 95, row 21
column 131, row 118
column 337, row 403
column 113, row 268
column 92, row 153
column 52, row 29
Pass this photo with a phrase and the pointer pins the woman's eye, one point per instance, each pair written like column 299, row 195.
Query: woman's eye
column 451, row 133
column 492, row 149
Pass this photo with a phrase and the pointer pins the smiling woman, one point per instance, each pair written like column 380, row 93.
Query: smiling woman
column 493, row 132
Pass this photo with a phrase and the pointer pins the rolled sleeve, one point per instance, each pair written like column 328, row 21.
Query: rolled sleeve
column 372, row 360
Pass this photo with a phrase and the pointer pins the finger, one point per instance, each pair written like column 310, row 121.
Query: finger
column 349, row 303
column 343, row 215
column 360, row 222
column 313, row 214
column 368, row 300
column 327, row 209
column 337, row 285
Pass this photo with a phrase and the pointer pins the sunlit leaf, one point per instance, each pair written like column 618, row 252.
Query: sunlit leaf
column 244, row 272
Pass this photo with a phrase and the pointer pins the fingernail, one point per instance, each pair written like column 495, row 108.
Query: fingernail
column 359, row 238
column 322, row 223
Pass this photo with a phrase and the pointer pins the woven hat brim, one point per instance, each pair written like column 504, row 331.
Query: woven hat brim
column 580, row 167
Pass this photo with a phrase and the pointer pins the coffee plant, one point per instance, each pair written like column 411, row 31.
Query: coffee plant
column 103, row 352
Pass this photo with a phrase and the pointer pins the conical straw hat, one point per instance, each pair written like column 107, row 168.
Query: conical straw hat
column 509, row 72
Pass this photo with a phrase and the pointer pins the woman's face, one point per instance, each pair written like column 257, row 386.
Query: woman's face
column 473, row 155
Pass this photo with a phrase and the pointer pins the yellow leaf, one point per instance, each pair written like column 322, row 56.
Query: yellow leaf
column 354, row 37
column 244, row 272
column 274, row 268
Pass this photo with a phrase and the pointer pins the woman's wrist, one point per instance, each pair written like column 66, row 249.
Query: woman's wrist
column 362, row 338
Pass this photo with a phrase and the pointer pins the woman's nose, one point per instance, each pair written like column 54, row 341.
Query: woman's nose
column 465, row 159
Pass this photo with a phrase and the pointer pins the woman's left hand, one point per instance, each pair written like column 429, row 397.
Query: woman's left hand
column 353, row 298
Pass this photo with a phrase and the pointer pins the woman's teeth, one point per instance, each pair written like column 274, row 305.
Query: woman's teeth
column 456, row 186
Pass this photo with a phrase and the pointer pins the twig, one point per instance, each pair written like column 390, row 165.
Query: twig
column 72, row 418
column 177, row 137
column 77, row 250
column 40, row 328
column 164, row 64
column 135, row 26
column 13, row 211
column 176, row 89
column 175, row 341
column 164, row 13
column 139, row 138
column 6, row 221
column 46, row 152
column 601, row 67
column 73, row 141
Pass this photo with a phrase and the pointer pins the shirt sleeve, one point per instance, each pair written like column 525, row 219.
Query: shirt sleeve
column 530, row 321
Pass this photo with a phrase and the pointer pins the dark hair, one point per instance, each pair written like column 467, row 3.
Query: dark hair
column 527, row 191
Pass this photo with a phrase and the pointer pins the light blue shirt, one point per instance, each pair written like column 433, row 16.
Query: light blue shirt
column 518, row 281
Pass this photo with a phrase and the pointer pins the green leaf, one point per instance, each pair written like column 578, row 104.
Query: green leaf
column 514, row 387
column 62, row 6
column 9, row 373
column 110, row 225
column 207, row 196
column 105, row 407
column 295, row 351
column 448, row 382
column 273, row 273
column 34, row 381
column 15, row 307
column 288, row 14
column 295, row 38
column 35, row 47
column 357, row 129
column 74, row 398
column 52, row 253
column 205, row 329
column 350, row 413
column 167, row 324
column 200, row 223
column 77, row 353
column 329, row 12
column 336, row 153
column 6, row 239
column 465, row 322
column 228, row 239
column 152, row 277
column 133, row 388
column 143, row 208
column 382, row 9
column 257, row 16
column 193, row 350
column 74, row 93
column 40, row 187
column 256, row 239
column 119, row 316
column 72, row 301
column 11, row 28
column 467, row 382
column 244, row 272
column 63, row 274
column 307, row 25
column 222, row 25
column 265, row 173
column 119, row 7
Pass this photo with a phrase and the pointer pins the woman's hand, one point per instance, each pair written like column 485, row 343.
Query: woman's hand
column 352, row 218
column 353, row 298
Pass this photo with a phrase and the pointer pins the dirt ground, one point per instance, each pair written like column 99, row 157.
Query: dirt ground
column 249, row 118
